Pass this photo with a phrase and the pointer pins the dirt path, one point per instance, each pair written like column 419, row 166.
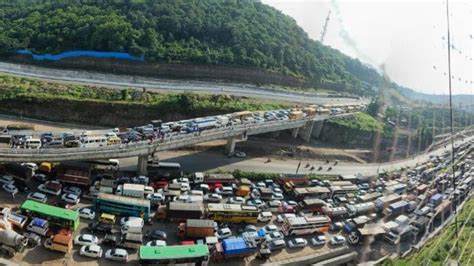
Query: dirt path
column 42, row 125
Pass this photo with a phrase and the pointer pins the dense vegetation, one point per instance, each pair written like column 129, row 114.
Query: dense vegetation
column 244, row 32
column 359, row 122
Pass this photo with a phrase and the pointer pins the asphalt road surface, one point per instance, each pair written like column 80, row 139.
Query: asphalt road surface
column 121, row 81
column 207, row 161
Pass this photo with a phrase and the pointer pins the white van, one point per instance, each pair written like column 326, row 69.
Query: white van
column 32, row 143
column 282, row 217
column 134, row 226
column 265, row 216
column 148, row 190
column 38, row 226
column 93, row 142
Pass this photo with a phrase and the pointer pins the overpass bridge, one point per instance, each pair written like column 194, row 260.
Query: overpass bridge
column 303, row 127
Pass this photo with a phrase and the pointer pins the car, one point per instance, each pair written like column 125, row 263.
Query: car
column 318, row 240
column 6, row 179
column 98, row 227
column 51, row 187
column 70, row 198
column 40, row 177
column 213, row 197
column 336, row 227
column 180, row 180
column 130, row 218
column 274, row 204
column 155, row 198
column 338, row 240
column 282, row 217
column 72, row 190
column 290, row 203
column 10, row 188
column 277, row 190
column 277, row 196
column 31, row 166
column 240, row 154
column 37, row 196
column 185, row 187
column 261, row 184
column 117, row 254
column 156, row 243
column 277, row 244
column 33, row 239
column 274, row 236
column 92, row 251
column 248, row 228
column 255, row 202
column 236, row 200
column 86, row 213
column 223, row 233
column 156, row 235
column 85, row 239
column 297, row 243
column 271, row 228
column 226, row 191
column 110, row 240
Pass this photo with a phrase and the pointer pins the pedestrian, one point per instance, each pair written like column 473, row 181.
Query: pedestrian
column 13, row 195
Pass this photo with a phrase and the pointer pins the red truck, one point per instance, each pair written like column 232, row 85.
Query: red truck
column 194, row 228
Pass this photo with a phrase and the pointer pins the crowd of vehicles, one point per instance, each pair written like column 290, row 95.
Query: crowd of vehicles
column 159, row 130
column 223, row 217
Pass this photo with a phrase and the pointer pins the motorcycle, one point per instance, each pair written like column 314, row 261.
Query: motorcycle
column 327, row 161
column 306, row 166
column 320, row 168
column 330, row 168
column 312, row 168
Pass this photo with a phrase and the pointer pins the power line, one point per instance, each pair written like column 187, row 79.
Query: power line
column 325, row 27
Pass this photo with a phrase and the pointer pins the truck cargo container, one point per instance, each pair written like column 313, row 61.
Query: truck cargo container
column 107, row 186
column 360, row 208
column 288, row 182
column 194, row 228
column 311, row 192
column 180, row 211
column 420, row 225
column 398, row 234
column 225, row 179
column 435, row 200
column 397, row 208
column 61, row 242
column 265, row 193
column 335, row 212
column 233, row 248
column 383, row 202
column 312, row 205
column 133, row 190
column 75, row 176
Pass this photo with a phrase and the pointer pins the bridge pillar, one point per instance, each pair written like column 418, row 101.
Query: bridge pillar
column 294, row 132
column 142, row 165
column 230, row 145
column 305, row 131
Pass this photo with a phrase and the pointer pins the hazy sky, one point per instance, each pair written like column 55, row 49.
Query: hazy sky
column 408, row 37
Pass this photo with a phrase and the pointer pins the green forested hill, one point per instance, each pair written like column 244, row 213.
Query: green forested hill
column 228, row 32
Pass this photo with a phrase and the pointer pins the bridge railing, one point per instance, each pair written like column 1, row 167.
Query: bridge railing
column 172, row 140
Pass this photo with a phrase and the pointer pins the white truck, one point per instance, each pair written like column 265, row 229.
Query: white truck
column 400, row 232
column 131, row 190
column 133, row 226
column 11, row 242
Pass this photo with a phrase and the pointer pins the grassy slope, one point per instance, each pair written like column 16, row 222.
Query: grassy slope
column 359, row 121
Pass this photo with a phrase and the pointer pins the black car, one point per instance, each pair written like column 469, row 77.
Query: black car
column 98, row 227
column 155, row 235
column 110, row 240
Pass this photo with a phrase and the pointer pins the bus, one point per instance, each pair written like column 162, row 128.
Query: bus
column 58, row 217
column 123, row 206
column 167, row 170
column 306, row 225
column 343, row 190
column 180, row 254
column 234, row 213
column 311, row 192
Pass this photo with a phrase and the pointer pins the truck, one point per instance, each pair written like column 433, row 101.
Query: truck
column 233, row 248
column 420, row 225
column 180, row 211
column 45, row 167
column 75, row 176
column 360, row 208
column 131, row 241
column 383, row 202
column 288, row 181
column 62, row 242
column 311, row 205
column 335, row 212
column 435, row 200
column 398, row 234
column 107, row 186
column 194, row 228
column 132, row 190
column 223, row 120
column 265, row 193
column 11, row 242
column 225, row 179
column 397, row 208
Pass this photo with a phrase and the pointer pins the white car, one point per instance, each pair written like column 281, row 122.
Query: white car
column 277, row 196
column 338, row 240
column 180, row 180
column 271, row 228
column 85, row 239
column 10, row 188
column 223, row 233
column 277, row 190
column 226, row 191
column 297, row 243
column 72, row 190
column 70, row 198
column 117, row 254
column 92, row 251
column 87, row 213
column 156, row 243
column 32, row 166
column 213, row 197
column 282, row 217
column 318, row 240
column 37, row 196
column 40, row 177
column 6, row 179
column 236, row 200
column 155, row 197
column 185, row 187
column 274, row 236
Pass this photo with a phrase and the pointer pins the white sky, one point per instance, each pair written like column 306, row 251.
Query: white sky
column 406, row 36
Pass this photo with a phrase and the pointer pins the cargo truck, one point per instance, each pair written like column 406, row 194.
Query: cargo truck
column 226, row 179
column 177, row 211
column 435, row 200
column 360, row 208
column 11, row 242
column 397, row 208
column 194, row 228
column 383, row 202
column 131, row 190
column 61, row 242
column 288, row 182
column 335, row 212
column 233, row 248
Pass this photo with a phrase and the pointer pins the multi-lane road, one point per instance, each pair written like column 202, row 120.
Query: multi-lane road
column 153, row 84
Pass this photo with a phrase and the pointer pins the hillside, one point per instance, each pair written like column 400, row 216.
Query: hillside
column 208, row 32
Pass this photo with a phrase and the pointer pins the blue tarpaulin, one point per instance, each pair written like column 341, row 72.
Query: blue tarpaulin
column 39, row 222
column 70, row 54
column 233, row 246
